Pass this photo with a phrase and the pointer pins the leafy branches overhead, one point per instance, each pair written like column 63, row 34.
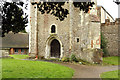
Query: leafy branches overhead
column 12, row 18
column 53, row 8
column 83, row 5
column 56, row 9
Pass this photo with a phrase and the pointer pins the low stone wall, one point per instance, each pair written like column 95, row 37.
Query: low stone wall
column 5, row 52
column 92, row 55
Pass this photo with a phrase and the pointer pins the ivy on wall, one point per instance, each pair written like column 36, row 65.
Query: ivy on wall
column 104, row 45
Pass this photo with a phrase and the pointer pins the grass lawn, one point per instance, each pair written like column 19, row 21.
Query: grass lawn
column 15, row 68
column 110, row 74
column 19, row 56
column 110, row 60
column 0, row 69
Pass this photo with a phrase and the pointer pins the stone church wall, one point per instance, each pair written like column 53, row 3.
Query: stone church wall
column 110, row 32
column 32, row 34
column 75, row 33
column 44, row 32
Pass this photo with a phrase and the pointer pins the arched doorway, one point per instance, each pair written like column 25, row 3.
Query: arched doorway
column 55, row 48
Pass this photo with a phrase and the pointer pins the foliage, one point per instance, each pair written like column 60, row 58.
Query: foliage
column 111, row 60
column 110, row 74
column 65, row 59
column 73, row 58
column 83, row 62
column 104, row 46
column 19, row 56
column 23, row 31
column 56, row 9
column 14, row 68
column 83, row 5
column 13, row 18
column 53, row 8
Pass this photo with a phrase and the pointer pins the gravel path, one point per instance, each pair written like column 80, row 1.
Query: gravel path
column 85, row 71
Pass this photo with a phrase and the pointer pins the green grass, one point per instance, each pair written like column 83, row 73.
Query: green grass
column 0, row 69
column 110, row 74
column 110, row 60
column 14, row 68
column 19, row 56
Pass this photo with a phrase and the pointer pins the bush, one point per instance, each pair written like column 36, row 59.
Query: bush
column 105, row 54
column 65, row 59
column 83, row 62
column 73, row 58
column 104, row 46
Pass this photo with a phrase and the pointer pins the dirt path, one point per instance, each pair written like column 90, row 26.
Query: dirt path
column 85, row 71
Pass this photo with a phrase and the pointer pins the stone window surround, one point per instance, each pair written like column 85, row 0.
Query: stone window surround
column 76, row 39
column 51, row 27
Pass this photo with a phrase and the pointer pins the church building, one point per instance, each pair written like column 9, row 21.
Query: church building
column 78, row 34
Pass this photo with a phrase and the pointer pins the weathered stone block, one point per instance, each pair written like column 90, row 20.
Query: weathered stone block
column 93, row 55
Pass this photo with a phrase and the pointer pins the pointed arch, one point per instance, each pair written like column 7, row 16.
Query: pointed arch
column 52, row 41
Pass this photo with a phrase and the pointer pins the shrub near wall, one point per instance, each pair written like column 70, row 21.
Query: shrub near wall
column 104, row 46
column 73, row 58
column 65, row 59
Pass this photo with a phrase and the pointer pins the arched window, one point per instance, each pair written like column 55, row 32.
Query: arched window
column 53, row 29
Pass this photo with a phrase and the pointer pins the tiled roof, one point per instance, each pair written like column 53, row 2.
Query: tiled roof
column 18, row 40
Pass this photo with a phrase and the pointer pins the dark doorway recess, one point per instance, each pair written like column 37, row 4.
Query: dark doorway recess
column 55, row 48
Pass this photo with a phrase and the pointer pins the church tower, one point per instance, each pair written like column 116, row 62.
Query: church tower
column 51, row 38
column 94, row 8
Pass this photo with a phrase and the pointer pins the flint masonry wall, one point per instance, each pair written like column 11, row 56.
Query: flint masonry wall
column 32, row 33
column 77, row 25
column 110, row 32
column 44, row 33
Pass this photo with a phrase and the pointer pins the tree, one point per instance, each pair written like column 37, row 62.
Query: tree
column 13, row 18
column 56, row 9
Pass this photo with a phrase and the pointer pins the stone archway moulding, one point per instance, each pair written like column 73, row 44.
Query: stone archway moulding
column 47, row 50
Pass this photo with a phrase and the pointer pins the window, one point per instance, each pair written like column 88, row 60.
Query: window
column 22, row 50
column 53, row 29
column 77, row 40
column 16, row 50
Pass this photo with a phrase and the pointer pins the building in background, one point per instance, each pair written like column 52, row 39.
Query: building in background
column 103, row 14
column 14, row 43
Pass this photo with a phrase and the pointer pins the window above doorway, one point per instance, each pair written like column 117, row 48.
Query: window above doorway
column 53, row 29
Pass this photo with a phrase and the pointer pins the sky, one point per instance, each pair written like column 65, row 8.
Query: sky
column 109, row 5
